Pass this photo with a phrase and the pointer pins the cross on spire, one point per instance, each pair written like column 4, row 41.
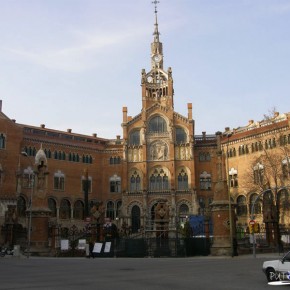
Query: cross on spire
column 155, row 2
column 156, row 32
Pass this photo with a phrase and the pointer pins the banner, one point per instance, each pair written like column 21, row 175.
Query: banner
column 64, row 245
column 97, row 247
column 107, row 247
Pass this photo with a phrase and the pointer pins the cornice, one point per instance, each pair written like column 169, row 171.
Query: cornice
column 254, row 135
column 154, row 107
column 65, row 145
column 180, row 117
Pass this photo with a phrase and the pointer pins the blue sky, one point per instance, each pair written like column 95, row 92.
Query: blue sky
column 76, row 63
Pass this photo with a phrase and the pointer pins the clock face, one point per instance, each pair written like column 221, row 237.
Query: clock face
column 157, row 57
column 149, row 79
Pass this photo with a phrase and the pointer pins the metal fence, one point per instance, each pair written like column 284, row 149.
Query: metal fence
column 158, row 247
column 130, row 247
column 262, row 238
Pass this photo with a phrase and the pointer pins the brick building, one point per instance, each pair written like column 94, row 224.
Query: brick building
column 153, row 177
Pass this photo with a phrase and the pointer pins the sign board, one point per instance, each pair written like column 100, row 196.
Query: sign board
column 64, row 245
column 97, row 247
column 107, row 247
column 252, row 222
column 82, row 244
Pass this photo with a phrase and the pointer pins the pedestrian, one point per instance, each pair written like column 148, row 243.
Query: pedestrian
column 91, row 249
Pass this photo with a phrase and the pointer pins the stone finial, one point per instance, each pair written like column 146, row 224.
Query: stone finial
column 40, row 157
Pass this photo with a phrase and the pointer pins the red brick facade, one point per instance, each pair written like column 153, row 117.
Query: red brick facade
column 158, row 161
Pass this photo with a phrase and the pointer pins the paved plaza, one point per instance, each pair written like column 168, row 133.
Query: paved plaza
column 242, row 272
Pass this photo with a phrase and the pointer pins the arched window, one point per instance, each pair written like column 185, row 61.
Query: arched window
column 58, row 180
column 234, row 152
column 119, row 206
column 28, row 177
column 284, row 205
column 65, row 209
column 47, row 153
column 204, row 156
column 79, row 210
column 207, row 156
column 110, row 212
column 257, row 204
column 201, row 156
column 286, row 168
column 152, row 182
column 157, row 125
column 159, row 180
column 135, row 182
column 134, row 138
column 180, row 135
column 21, row 206
column 205, row 181
column 233, row 177
column 52, row 207
column 241, row 205
column 183, row 209
column 182, row 180
column 31, row 151
column 258, row 174
column 115, row 184
column 183, row 213
column 2, row 141
column 135, row 219
column 268, row 206
column 284, row 201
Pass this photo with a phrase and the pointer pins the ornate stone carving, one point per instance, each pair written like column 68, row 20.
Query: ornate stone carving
column 135, row 154
column 158, row 151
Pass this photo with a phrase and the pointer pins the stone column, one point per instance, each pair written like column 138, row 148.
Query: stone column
column 222, row 243
column 40, row 212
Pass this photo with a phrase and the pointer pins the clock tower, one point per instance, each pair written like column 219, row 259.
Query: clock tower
column 158, row 154
column 157, row 84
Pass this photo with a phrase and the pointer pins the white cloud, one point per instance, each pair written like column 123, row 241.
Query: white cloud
column 81, row 55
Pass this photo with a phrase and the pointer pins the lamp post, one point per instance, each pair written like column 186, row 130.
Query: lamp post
column 253, row 218
column 229, row 195
column 30, row 206
column 86, row 193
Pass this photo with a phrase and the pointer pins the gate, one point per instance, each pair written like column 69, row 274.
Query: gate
column 69, row 241
column 160, row 246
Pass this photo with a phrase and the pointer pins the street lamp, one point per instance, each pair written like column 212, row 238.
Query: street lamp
column 86, row 193
column 30, row 207
column 229, row 195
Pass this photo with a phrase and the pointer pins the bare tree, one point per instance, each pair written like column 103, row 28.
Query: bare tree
column 269, row 169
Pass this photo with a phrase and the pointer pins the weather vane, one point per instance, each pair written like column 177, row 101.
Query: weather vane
column 155, row 2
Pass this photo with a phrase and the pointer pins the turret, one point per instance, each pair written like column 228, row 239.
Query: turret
column 157, row 84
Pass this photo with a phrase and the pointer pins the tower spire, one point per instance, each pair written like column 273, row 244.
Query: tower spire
column 156, row 32
column 156, row 45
